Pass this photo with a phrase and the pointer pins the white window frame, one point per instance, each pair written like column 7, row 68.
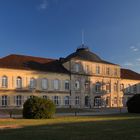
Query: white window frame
column 4, row 81
column 98, row 87
column 44, row 83
column 32, row 83
column 67, row 85
column 4, row 100
column 77, row 85
column 19, row 82
column 56, row 84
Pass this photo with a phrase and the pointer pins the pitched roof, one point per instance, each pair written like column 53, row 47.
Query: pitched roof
column 129, row 74
column 15, row 61
column 84, row 53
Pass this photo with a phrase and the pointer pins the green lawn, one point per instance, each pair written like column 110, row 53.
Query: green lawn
column 107, row 127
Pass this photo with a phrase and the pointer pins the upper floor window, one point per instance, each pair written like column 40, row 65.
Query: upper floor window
column 107, row 71
column 87, row 68
column 44, row 83
column 115, row 72
column 115, row 87
column 67, row 85
column 108, row 88
column 97, row 69
column 87, row 85
column 32, row 83
column 98, row 87
column 4, row 81
column 56, row 84
column 121, row 87
column 19, row 82
column 77, row 85
column 135, row 89
column 128, row 89
column 77, row 67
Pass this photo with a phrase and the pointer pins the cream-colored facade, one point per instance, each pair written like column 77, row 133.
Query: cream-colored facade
column 87, row 83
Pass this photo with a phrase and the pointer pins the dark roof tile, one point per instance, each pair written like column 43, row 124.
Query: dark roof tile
column 32, row 63
column 129, row 74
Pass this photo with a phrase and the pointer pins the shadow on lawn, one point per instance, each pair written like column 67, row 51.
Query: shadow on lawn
column 125, row 129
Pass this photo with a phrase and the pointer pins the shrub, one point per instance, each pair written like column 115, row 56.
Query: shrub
column 133, row 104
column 38, row 108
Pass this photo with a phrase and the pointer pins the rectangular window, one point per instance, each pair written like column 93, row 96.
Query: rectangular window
column 56, row 100
column 77, row 100
column 115, row 72
column 4, row 100
column 97, row 70
column 107, row 71
column 56, row 84
column 19, row 100
column 67, row 85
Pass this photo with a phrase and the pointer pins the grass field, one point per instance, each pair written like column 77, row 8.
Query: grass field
column 107, row 127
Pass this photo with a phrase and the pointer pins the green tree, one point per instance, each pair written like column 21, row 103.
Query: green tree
column 38, row 108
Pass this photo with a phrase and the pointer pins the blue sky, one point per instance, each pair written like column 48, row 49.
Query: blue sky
column 52, row 28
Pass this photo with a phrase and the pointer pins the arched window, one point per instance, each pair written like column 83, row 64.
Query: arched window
column 56, row 84
column 98, row 87
column 66, row 100
column 77, row 67
column 67, row 85
column 121, row 87
column 32, row 83
column 135, row 89
column 44, row 83
column 77, row 85
column 19, row 82
column 108, row 88
column 4, row 81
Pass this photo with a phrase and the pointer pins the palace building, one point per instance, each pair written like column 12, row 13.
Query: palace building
column 80, row 80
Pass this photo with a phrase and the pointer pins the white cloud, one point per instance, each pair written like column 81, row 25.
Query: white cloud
column 134, row 49
column 128, row 64
column 43, row 5
column 138, row 59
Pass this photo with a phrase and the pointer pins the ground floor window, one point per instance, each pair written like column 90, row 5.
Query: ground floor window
column 66, row 100
column 45, row 97
column 4, row 100
column 56, row 100
column 19, row 100
column 97, row 101
column 86, row 100
column 77, row 100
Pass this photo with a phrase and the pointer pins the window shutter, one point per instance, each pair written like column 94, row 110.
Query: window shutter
column 14, row 100
column 59, row 100
column 8, row 102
